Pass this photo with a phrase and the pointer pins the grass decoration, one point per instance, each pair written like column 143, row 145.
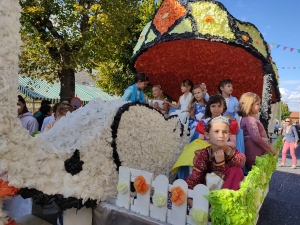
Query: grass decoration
column 241, row 207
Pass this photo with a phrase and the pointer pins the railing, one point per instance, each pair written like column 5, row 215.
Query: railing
column 142, row 205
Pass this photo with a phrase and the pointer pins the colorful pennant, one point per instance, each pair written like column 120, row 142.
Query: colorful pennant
column 285, row 47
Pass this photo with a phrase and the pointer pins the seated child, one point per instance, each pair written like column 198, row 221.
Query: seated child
column 219, row 158
column 181, row 107
column 197, row 108
column 158, row 102
column 135, row 93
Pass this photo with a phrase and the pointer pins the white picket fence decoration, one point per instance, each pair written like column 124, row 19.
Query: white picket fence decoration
column 142, row 205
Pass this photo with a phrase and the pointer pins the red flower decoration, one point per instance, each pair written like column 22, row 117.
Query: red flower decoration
column 200, row 128
column 168, row 13
column 168, row 63
column 141, row 185
column 178, row 196
column 11, row 222
column 6, row 190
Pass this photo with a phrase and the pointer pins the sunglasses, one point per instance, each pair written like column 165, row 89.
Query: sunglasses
column 287, row 121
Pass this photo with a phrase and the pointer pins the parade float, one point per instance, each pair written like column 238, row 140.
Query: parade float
column 76, row 163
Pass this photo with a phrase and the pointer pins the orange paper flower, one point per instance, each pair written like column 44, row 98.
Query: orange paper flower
column 140, row 185
column 257, row 42
column 178, row 196
column 6, row 190
column 245, row 38
column 168, row 13
column 208, row 19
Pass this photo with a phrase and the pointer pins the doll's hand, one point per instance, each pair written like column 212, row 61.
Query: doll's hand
column 219, row 156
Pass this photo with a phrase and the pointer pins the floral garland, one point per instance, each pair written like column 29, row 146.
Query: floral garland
column 167, row 61
column 240, row 207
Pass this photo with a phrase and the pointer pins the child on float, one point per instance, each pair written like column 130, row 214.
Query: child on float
column 256, row 139
column 158, row 101
column 216, row 106
column 218, row 160
column 197, row 108
column 135, row 93
column 225, row 89
column 181, row 107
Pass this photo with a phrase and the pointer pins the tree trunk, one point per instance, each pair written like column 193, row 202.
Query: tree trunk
column 67, row 84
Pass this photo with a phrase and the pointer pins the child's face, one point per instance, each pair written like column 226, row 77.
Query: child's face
column 255, row 108
column 227, row 89
column 141, row 84
column 216, row 109
column 219, row 134
column 185, row 89
column 198, row 93
column 156, row 92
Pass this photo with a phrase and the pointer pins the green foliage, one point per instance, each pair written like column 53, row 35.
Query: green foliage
column 285, row 112
column 241, row 207
column 122, row 29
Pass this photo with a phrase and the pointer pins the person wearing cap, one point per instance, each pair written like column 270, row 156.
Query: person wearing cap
column 26, row 117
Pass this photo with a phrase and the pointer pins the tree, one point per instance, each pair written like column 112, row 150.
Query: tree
column 285, row 112
column 63, row 36
column 114, row 74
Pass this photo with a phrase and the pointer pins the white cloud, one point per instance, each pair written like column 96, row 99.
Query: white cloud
column 268, row 27
column 290, row 82
column 292, row 98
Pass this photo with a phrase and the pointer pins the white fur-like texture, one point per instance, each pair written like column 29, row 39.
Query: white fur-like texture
column 145, row 139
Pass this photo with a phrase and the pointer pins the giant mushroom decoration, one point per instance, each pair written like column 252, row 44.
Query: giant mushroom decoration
column 202, row 41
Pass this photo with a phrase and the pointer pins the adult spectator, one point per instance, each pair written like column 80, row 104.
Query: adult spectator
column 51, row 118
column 39, row 113
column 26, row 117
column 46, row 110
column 276, row 128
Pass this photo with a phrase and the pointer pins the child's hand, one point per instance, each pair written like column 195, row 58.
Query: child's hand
column 203, row 86
column 166, row 102
column 155, row 105
column 219, row 156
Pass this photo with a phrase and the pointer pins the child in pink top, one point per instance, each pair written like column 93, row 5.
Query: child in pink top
column 256, row 139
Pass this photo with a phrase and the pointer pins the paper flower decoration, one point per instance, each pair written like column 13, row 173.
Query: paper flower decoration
column 159, row 199
column 11, row 222
column 178, row 195
column 140, row 185
column 198, row 216
column 6, row 190
column 122, row 186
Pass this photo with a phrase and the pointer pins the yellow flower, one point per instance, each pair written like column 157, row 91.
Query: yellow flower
column 159, row 199
column 215, row 24
column 198, row 216
column 122, row 186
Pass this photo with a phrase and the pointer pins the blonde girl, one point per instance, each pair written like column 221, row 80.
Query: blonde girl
column 197, row 108
column 158, row 101
column 255, row 136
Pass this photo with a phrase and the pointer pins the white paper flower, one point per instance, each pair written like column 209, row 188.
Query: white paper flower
column 198, row 216
column 122, row 186
column 159, row 199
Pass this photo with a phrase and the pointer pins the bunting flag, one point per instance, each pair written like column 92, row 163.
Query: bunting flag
column 284, row 47
column 288, row 67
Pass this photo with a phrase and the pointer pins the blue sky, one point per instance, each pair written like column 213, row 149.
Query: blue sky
column 278, row 21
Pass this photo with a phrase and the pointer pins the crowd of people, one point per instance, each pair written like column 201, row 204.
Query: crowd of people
column 43, row 119
column 229, row 125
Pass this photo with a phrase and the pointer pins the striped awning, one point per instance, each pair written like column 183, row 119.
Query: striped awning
column 38, row 89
